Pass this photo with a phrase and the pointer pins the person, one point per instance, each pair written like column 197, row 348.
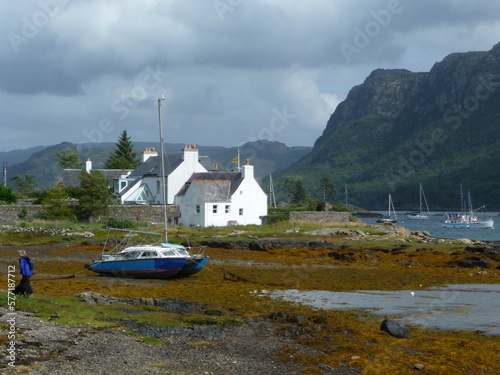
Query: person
column 24, row 288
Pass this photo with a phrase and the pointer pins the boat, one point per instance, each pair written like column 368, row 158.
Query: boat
column 159, row 259
column 419, row 215
column 467, row 219
column 391, row 214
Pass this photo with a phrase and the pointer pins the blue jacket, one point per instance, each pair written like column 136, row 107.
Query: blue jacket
column 24, row 266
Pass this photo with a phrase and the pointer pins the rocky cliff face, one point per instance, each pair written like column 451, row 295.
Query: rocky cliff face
column 399, row 128
column 397, row 92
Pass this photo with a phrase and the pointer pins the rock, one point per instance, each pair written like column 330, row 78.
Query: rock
column 418, row 366
column 395, row 329
column 474, row 262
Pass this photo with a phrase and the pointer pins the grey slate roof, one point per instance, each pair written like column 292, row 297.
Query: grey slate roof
column 216, row 186
column 71, row 177
column 152, row 166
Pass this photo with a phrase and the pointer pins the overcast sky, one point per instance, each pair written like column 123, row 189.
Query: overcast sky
column 232, row 71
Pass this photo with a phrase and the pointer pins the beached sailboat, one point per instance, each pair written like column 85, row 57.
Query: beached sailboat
column 419, row 215
column 391, row 214
column 159, row 260
column 467, row 219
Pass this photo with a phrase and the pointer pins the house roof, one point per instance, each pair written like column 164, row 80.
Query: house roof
column 71, row 177
column 152, row 166
column 216, row 186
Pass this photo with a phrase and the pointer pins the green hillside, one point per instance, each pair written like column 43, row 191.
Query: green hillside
column 399, row 129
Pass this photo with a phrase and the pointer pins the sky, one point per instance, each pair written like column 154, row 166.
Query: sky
column 229, row 71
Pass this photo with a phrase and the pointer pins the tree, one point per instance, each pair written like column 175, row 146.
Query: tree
column 7, row 196
column 123, row 157
column 295, row 190
column 327, row 188
column 69, row 159
column 25, row 186
column 300, row 195
column 57, row 204
column 289, row 186
column 94, row 201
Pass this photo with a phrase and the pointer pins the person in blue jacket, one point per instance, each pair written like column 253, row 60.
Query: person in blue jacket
column 24, row 287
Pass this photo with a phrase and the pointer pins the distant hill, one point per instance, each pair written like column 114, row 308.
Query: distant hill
column 398, row 128
column 41, row 162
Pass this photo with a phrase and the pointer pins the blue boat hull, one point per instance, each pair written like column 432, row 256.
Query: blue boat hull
column 160, row 268
column 192, row 266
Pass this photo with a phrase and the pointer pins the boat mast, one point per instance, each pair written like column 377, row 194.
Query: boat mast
column 420, row 196
column 272, row 198
column 162, row 177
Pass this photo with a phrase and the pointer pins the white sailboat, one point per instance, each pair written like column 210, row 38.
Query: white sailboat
column 467, row 219
column 419, row 215
column 391, row 214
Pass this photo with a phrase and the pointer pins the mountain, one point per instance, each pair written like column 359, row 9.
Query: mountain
column 266, row 157
column 398, row 128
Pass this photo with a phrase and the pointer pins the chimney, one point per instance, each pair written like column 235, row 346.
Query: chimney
column 148, row 152
column 247, row 170
column 190, row 154
column 88, row 166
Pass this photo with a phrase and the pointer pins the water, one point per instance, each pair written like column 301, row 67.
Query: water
column 433, row 226
column 452, row 307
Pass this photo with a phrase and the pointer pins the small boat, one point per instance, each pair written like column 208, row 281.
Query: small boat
column 159, row 260
column 467, row 219
column 142, row 261
column 391, row 212
column 419, row 215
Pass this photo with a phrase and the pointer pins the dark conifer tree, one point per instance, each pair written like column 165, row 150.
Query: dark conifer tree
column 123, row 157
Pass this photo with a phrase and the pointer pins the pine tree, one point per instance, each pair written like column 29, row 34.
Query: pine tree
column 327, row 188
column 123, row 157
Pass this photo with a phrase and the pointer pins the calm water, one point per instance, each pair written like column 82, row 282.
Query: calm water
column 452, row 307
column 433, row 226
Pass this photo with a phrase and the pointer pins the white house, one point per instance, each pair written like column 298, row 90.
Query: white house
column 222, row 198
column 143, row 185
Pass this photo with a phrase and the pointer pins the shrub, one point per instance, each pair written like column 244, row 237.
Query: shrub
column 120, row 224
column 274, row 219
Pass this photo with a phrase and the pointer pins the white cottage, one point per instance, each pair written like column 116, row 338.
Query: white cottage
column 222, row 198
column 143, row 185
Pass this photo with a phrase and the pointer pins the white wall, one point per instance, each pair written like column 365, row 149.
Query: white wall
column 182, row 173
column 249, row 196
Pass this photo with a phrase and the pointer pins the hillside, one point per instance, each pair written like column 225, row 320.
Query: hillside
column 398, row 128
column 266, row 157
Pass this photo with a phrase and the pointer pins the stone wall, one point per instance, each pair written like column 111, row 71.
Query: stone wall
column 320, row 216
column 150, row 214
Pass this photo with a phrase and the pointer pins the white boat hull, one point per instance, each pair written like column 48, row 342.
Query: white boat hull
column 418, row 217
column 487, row 224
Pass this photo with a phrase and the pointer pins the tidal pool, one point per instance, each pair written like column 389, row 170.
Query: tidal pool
column 451, row 307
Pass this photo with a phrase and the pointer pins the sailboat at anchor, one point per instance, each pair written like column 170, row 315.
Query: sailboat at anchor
column 419, row 215
column 391, row 214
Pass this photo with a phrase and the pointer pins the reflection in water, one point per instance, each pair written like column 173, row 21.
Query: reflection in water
column 452, row 307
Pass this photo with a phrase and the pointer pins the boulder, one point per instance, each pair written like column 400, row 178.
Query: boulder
column 394, row 328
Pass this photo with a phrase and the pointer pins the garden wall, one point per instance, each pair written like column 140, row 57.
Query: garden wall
column 150, row 214
column 320, row 216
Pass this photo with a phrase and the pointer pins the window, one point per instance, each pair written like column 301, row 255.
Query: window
column 214, row 209
column 241, row 211
column 157, row 187
column 227, row 209
column 198, row 209
column 123, row 185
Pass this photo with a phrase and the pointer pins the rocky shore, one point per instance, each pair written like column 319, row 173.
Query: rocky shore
column 44, row 348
